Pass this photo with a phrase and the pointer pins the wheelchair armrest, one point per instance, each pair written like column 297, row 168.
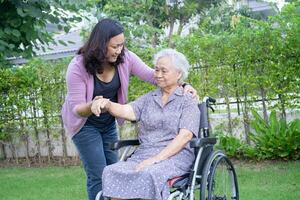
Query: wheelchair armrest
column 200, row 142
column 124, row 143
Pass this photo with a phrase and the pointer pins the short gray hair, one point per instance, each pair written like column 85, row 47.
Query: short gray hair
column 178, row 61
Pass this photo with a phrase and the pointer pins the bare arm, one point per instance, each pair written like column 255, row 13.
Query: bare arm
column 176, row 145
column 115, row 109
column 84, row 109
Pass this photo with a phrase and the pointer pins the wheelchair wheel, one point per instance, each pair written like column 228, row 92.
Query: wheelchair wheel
column 219, row 180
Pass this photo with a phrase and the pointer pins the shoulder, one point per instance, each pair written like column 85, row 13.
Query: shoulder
column 129, row 56
column 185, row 98
column 147, row 97
column 188, row 99
column 150, row 94
column 77, row 64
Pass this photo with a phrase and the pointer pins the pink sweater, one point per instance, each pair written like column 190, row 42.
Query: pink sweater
column 80, row 87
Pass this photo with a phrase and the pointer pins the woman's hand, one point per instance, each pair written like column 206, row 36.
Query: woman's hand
column 99, row 105
column 189, row 89
column 145, row 163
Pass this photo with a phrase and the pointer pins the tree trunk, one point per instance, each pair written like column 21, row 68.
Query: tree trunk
column 282, row 107
column 64, row 143
column 24, row 138
column 180, row 27
column 263, row 98
column 228, row 115
column 236, row 92
column 206, row 81
column 26, row 141
column 36, row 132
column 172, row 22
column 246, row 117
column 13, row 152
column 154, row 40
column 48, row 140
column 3, row 151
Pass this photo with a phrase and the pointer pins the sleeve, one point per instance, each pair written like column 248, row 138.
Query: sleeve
column 76, row 86
column 190, row 116
column 140, row 69
column 138, row 105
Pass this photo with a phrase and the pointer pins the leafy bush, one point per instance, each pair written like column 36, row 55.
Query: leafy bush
column 275, row 139
column 231, row 145
column 234, row 147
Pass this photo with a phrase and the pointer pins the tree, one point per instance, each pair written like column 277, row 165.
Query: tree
column 23, row 23
column 148, row 18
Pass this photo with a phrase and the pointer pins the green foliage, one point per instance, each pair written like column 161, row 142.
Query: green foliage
column 31, row 97
column 145, row 20
column 231, row 145
column 246, row 56
column 23, row 23
column 275, row 139
column 234, row 147
column 138, row 87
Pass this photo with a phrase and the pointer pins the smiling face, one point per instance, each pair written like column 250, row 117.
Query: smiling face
column 165, row 74
column 114, row 47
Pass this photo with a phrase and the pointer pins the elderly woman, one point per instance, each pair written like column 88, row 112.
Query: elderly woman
column 168, row 120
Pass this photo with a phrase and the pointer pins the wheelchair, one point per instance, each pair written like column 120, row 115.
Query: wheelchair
column 212, row 176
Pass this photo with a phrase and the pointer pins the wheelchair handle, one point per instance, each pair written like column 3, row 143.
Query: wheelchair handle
column 212, row 100
column 208, row 102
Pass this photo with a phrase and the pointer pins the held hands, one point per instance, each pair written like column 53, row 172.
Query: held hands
column 99, row 105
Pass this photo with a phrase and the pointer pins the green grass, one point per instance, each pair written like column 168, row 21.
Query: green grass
column 53, row 183
column 269, row 181
column 262, row 181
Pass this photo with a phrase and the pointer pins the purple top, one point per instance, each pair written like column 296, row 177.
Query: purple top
column 181, row 111
column 80, row 87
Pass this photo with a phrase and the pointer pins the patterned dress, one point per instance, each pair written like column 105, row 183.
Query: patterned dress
column 158, row 126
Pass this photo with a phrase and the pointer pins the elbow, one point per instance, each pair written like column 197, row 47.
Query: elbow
column 188, row 136
column 185, row 137
column 79, row 112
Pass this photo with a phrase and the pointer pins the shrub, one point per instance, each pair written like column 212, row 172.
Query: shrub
column 275, row 139
column 234, row 147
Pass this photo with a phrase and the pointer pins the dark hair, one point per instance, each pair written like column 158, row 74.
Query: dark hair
column 95, row 49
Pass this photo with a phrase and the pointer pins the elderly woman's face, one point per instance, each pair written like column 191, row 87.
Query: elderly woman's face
column 165, row 74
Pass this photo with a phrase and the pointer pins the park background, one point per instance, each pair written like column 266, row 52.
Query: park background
column 246, row 54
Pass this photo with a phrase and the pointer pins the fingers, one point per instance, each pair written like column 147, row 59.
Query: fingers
column 98, row 97
column 99, row 105
column 190, row 89
column 103, row 103
column 95, row 108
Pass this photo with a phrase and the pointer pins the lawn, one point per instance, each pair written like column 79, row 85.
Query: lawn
column 53, row 183
column 269, row 181
column 262, row 181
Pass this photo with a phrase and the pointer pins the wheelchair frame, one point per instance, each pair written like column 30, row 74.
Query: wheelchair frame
column 204, row 182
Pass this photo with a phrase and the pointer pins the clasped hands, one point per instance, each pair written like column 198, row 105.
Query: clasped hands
column 100, row 105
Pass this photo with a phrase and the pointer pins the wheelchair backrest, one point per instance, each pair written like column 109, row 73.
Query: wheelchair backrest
column 204, row 128
column 203, row 116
